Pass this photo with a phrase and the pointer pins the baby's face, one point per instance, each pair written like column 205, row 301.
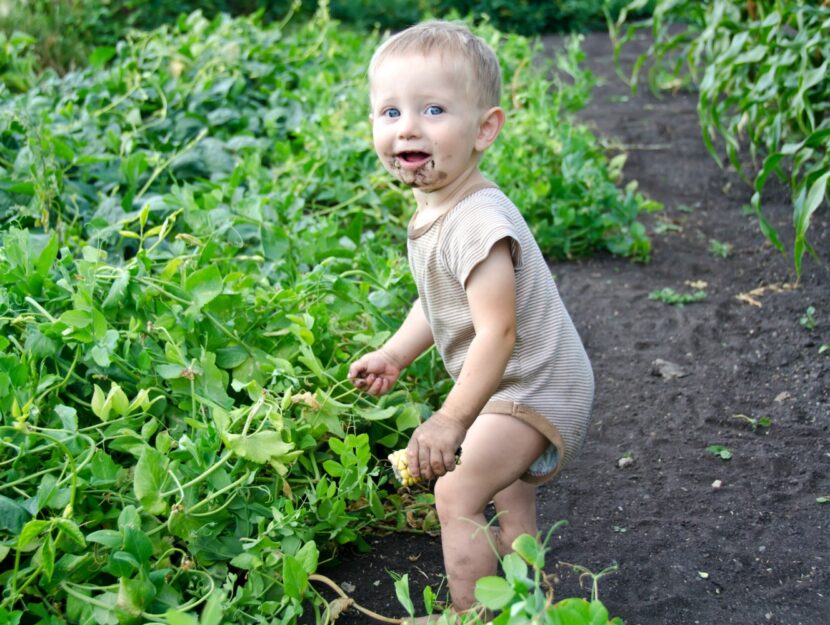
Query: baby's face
column 425, row 119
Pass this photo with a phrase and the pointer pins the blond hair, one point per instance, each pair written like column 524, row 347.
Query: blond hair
column 455, row 40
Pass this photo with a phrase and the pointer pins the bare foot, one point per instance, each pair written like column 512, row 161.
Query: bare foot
column 432, row 619
column 448, row 617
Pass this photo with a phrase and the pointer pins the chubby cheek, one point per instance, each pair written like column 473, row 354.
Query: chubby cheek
column 381, row 145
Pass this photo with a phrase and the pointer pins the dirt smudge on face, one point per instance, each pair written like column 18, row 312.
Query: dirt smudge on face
column 423, row 176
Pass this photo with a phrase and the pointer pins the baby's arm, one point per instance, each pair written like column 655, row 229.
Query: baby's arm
column 376, row 372
column 491, row 293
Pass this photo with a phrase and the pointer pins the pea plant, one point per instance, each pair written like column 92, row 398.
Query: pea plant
column 668, row 295
column 197, row 240
column 761, row 70
column 523, row 594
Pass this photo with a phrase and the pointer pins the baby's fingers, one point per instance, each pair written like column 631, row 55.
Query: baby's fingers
column 449, row 461
column 357, row 371
column 378, row 386
column 413, row 458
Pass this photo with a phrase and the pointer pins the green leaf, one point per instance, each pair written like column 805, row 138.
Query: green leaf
column 118, row 288
column 408, row 419
column 573, row 611
column 47, row 556
column 13, row 516
column 429, row 599
column 122, row 564
column 98, row 404
column 378, row 414
column 120, row 402
column 308, row 556
column 70, row 529
column 170, row 372
column 402, row 593
column 47, row 256
column 294, row 577
column 174, row 617
column 803, row 213
column 48, row 494
column 311, row 361
column 104, row 469
column 101, row 356
column 30, row 532
column 38, row 345
column 129, row 517
column 719, row 450
column 213, row 612
column 150, row 476
column 515, row 569
column 68, row 417
column 598, row 613
column 375, row 504
column 494, row 592
column 230, row 356
column 333, row 468
column 766, row 228
column 102, row 615
column 213, row 382
column 132, row 167
column 100, row 56
column 204, row 285
column 754, row 55
column 62, row 150
column 261, row 447
column 137, row 544
column 381, row 299
column 530, row 550
column 108, row 538
column 275, row 242
column 134, row 595
column 76, row 318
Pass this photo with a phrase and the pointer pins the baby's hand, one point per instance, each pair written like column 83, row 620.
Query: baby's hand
column 374, row 373
column 431, row 450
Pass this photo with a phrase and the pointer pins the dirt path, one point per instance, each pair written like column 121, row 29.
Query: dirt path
column 755, row 550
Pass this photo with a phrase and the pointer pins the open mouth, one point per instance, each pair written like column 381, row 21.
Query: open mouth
column 413, row 157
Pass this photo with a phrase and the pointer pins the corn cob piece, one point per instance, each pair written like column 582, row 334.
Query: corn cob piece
column 400, row 467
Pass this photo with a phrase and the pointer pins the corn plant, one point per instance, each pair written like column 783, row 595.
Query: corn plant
column 762, row 69
column 17, row 62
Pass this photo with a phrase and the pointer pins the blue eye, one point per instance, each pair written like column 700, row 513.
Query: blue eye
column 391, row 112
column 434, row 110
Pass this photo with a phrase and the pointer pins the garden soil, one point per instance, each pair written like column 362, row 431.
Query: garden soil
column 698, row 539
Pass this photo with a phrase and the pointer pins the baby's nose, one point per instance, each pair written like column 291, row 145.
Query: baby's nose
column 408, row 126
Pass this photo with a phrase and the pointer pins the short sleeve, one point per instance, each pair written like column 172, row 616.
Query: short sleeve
column 472, row 234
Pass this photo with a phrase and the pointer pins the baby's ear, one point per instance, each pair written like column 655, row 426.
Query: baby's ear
column 489, row 128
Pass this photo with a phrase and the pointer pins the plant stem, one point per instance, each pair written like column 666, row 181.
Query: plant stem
column 220, row 492
column 209, row 471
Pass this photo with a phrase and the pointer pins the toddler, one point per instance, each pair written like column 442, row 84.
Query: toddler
column 523, row 385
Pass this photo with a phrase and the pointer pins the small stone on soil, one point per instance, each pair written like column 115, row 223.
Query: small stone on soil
column 667, row 370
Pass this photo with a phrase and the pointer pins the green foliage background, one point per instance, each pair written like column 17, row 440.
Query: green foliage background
column 197, row 240
column 67, row 31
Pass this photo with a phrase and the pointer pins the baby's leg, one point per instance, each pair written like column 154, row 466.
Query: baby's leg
column 516, row 509
column 497, row 450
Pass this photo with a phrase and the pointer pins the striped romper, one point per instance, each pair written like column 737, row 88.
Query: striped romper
column 548, row 382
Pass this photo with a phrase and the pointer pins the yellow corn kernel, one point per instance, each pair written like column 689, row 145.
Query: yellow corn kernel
column 400, row 467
